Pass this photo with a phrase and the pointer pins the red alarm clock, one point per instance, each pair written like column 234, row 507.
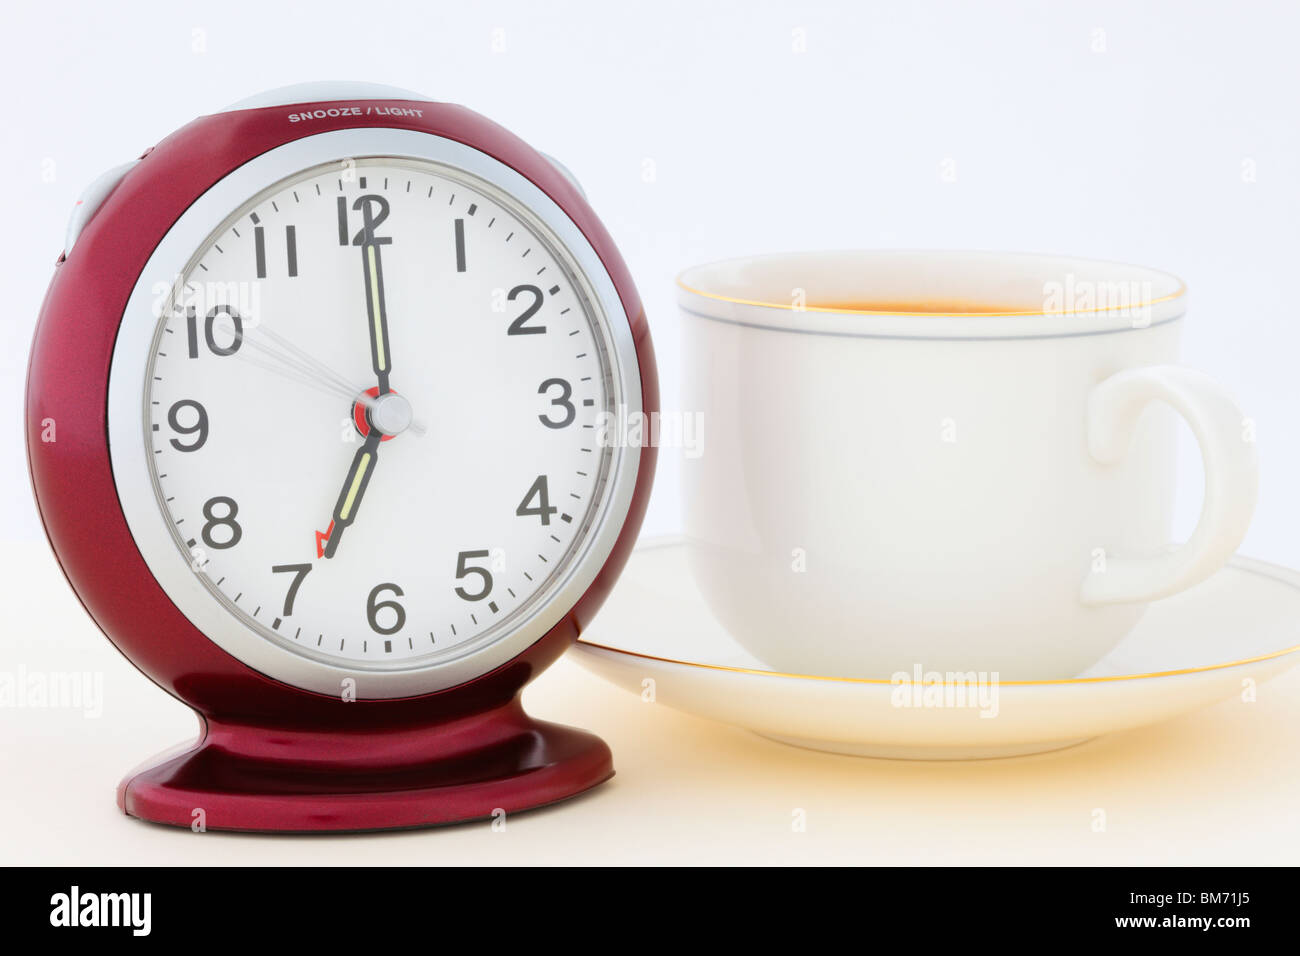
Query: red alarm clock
column 332, row 378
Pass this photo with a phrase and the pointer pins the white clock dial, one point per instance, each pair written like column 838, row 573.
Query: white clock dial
column 482, row 364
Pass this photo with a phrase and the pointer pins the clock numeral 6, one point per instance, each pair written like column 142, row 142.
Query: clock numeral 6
column 566, row 393
column 226, row 520
column 518, row 326
column 373, row 608
column 199, row 428
column 544, row 509
column 209, row 322
column 463, row 568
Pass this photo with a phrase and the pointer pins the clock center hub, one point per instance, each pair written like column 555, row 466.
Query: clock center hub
column 390, row 413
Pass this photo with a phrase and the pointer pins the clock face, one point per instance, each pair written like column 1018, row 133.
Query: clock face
column 373, row 410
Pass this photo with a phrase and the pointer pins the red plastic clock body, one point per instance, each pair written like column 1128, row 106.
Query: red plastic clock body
column 271, row 756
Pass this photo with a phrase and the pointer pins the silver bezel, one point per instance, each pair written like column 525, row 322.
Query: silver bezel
column 129, row 453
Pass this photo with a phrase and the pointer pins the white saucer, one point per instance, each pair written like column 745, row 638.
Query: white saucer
column 1194, row 649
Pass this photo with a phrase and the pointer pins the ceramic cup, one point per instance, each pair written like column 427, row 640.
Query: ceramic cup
column 958, row 461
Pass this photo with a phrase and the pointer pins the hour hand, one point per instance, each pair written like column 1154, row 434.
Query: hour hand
column 354, row 487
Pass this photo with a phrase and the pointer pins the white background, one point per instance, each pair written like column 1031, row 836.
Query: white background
column 1160, row 133
column 1135, row 153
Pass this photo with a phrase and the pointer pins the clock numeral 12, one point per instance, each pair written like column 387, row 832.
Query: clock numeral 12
column 374, row 210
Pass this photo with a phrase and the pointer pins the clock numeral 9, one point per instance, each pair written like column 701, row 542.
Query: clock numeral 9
column 373, row 608
column 544, row 509
column 209, row 322
column 566, row 393
column 518, row 326
column 226, row 520
column 198, row 429
column 463, row 569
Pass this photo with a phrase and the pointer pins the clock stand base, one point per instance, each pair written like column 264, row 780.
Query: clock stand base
column 286, row 780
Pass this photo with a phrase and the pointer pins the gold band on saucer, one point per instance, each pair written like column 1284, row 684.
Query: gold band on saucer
column 1002, row 683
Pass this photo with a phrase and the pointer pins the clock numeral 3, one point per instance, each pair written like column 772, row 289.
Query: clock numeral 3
column 463, row 568
column 373, row 608
column 566, row 393
column 226, row 520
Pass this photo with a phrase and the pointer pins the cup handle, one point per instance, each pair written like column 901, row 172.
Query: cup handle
column 1231, row 478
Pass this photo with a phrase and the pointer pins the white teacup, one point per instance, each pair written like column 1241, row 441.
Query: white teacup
column 961, row 461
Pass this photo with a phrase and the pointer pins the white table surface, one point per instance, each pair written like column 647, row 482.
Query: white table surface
column 1220, row 786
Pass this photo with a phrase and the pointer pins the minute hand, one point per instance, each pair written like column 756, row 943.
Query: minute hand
column 381, row 359
column 354, row 488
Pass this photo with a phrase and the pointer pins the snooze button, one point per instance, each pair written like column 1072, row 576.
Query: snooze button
column 92, row 197
column 565, row 172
